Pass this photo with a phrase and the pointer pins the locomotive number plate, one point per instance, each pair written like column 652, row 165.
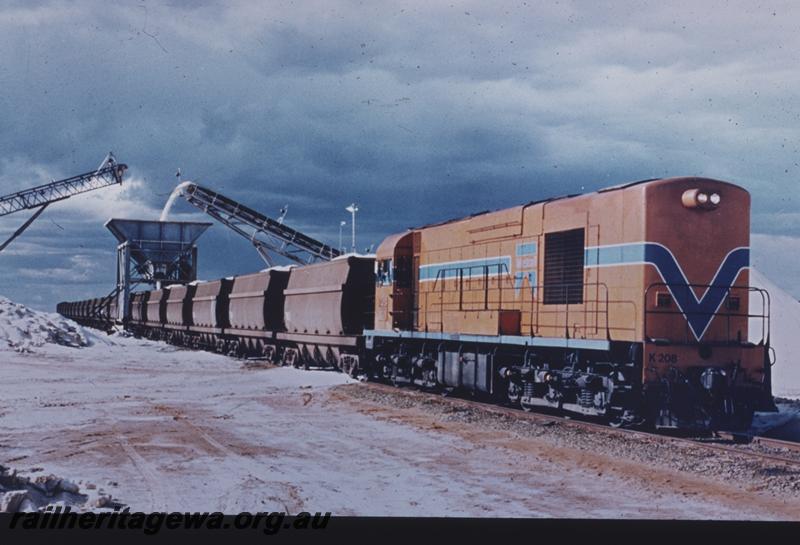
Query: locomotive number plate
column 662, row 357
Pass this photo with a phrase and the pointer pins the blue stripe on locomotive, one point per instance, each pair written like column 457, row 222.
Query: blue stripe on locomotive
column 698, row 312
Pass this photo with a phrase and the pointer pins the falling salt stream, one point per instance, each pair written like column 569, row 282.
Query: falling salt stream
column 172, row 197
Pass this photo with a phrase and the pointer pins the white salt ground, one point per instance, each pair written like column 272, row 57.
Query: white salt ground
column 161, row 428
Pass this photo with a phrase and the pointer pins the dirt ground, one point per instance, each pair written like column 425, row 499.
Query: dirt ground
column 168, row 429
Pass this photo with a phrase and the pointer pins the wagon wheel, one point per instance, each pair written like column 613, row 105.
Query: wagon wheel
column 332, row 361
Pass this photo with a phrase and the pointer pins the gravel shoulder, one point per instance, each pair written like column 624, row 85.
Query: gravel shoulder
column 657, row 465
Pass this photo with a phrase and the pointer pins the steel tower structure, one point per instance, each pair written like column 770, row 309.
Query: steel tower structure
column 109, row 172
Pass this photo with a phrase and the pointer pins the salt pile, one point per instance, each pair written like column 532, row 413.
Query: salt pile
column 23, row 329
column 784, row 335
column 18, row 493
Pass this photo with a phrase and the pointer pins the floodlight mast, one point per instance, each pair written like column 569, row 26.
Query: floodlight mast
column 353, row 208
column 109, row 172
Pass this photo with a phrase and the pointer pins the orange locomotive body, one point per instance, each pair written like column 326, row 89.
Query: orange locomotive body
column 631, row 303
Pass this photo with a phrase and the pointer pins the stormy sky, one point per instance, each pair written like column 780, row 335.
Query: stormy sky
column 418, row 111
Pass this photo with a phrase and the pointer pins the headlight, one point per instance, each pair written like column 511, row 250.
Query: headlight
column 694, row 198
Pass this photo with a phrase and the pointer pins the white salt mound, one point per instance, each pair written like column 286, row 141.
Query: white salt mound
column 784, row 335
column 23, row 329
column 25, row 494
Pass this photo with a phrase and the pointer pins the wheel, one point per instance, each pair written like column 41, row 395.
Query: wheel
column 430, row 379
column 514, row 393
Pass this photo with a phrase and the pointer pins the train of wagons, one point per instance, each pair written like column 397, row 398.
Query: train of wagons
column 631, row 304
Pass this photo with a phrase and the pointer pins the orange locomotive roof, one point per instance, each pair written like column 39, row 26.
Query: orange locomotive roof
column 617, row 187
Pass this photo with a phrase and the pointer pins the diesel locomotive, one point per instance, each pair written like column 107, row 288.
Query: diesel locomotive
column 631, row 304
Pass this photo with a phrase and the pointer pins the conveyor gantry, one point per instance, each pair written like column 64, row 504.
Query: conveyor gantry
column 266, row 234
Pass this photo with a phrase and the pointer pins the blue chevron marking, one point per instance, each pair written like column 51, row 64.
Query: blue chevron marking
column 698, row 312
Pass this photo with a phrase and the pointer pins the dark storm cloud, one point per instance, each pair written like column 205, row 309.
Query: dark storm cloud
column 417, row 112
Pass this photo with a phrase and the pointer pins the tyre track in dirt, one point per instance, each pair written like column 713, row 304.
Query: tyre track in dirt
column 292, row 502
column 162, row 498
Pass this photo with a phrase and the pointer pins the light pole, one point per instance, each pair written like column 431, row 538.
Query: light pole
column 353, row 208
column 341, row 224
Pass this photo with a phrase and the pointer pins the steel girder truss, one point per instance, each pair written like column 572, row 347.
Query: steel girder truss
column 108, row 173
column 266, row 234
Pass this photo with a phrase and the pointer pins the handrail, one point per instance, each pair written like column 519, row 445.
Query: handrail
column 534, row 313
column 764, row 316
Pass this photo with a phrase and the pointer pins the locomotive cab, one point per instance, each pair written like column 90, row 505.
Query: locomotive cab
column 394, row 283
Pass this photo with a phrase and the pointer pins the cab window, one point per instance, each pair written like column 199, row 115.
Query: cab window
column 383, row 276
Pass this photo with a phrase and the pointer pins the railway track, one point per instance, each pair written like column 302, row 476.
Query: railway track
column 766, row 441
column 763, row 448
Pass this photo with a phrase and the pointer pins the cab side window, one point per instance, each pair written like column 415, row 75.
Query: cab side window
column 383, row 276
